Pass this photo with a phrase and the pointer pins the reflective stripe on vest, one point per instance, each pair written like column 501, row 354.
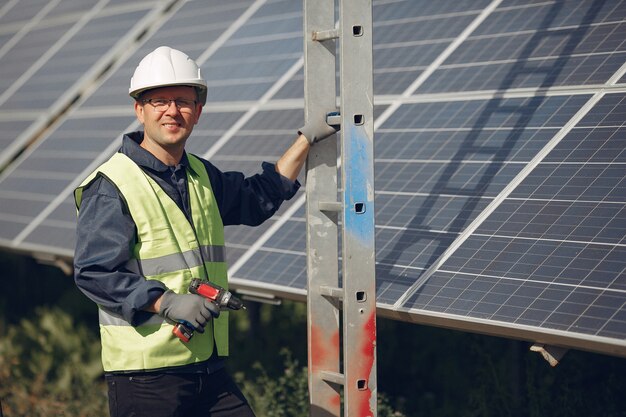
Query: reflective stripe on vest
column 171, row 250
column 109, row 319
column 176, row 261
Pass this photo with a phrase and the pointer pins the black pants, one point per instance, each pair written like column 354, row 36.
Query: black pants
column 176, row 395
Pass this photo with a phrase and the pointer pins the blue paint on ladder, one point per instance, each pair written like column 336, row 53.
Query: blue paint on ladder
column 358, row 170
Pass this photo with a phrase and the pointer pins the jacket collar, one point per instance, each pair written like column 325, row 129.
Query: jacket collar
column 143, row 158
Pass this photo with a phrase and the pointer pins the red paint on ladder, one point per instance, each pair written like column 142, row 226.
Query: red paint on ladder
column 368, row 351
column 324, row 355
column 323, row 351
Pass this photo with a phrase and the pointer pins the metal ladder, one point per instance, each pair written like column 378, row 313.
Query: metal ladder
column 341, row 362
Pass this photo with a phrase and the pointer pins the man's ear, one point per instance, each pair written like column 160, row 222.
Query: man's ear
column 139, row 111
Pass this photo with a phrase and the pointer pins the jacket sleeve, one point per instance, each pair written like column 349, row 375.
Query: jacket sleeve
column 105, row 236
column 250, row 200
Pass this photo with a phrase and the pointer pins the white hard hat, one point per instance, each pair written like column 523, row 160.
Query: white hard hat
column 167, row 67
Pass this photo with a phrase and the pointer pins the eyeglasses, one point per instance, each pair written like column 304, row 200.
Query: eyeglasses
column 162, row 104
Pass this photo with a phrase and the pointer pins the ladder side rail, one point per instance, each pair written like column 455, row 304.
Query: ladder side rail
column 358, row 234
column 321, row 230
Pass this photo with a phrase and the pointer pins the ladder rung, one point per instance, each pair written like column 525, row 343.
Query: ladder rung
column 329, row 206
column 334, row 377
column 331, row 291
column 333, row 119
column 324, row 35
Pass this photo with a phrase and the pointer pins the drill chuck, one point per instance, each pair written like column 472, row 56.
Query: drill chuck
column 231, row 302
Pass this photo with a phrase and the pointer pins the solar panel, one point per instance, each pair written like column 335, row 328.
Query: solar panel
column 499, row 157
column 53, row 57
column 555, row 244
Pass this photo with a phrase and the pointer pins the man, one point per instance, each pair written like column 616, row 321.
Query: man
column 151, row 219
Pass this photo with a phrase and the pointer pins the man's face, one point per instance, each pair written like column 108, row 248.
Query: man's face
column 168, row 128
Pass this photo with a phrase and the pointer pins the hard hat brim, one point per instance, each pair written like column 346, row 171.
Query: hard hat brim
column 200, row 88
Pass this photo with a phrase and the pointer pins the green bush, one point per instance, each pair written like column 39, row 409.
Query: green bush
column 285, row 396
column 50, row 366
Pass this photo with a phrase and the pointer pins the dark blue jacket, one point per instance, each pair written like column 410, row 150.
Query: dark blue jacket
column 106, row 233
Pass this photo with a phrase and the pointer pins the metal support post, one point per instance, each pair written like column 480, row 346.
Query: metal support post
column 356, row 297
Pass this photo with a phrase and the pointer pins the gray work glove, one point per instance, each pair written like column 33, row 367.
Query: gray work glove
column 190, row 308
column 317, row 128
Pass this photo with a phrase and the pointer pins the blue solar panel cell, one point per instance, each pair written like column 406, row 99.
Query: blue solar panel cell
column 246, row 89
column 498, row 113
column 421, row 30
column 539, row 260
column 268, row 267
column 242, row 237
column 196, row 17
column 603, row 144
column 273, row 121
column 398, row 58
column 65, row 215
column 113, row 93
column 266, row 145
column 399, row 211
column 575, row 71
column 441, row 144
column 384, row 11
column 293, row 89
column 87, row 136
column 279, row 25
column 615, row 328
column 22, row 12
column 23, row 205
column 278, row 7
column 583, row 221
column 290, row 239
column 554, row 48
column 52, row 235
column 69, row 7
column 202, row 142
column 574, row 181
column 609, row 112
column 215, row 122
column 514, row 16
column 19, row 59
column 11, row 129
column 35, row 183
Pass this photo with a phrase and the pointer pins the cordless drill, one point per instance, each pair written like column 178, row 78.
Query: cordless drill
column 216, row 294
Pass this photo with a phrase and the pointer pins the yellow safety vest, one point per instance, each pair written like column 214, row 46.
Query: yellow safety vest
column 171, row 250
